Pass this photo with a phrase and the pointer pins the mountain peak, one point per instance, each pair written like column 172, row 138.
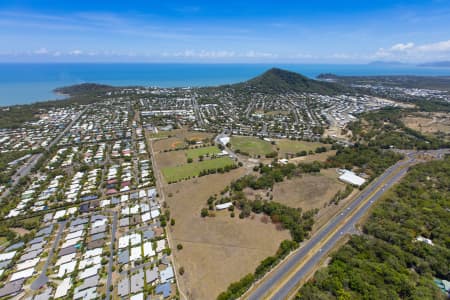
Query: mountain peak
column 279, row 80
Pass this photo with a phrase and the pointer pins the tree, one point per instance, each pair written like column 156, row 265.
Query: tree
column 204, row 212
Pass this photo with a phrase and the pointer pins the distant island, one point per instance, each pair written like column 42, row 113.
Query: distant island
column 387, row 63
column 438, row 64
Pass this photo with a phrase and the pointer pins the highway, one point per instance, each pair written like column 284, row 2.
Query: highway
column 283, row 280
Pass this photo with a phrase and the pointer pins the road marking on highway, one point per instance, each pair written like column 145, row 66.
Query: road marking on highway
column 323, row 242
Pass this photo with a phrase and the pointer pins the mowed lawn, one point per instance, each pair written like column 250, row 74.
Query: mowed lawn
column 290, row 146
column 194, row 169
column 195, row 153
column 251, row 145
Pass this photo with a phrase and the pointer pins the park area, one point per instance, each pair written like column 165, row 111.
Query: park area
column 189, row 170
column 292, row 147
column 202, row 151
column 251, row 145
column 216, row 250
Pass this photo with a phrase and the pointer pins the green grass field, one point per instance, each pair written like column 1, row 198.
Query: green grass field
column 251, row 145
column 194, row 169
column 289, row 146
column 195, row 153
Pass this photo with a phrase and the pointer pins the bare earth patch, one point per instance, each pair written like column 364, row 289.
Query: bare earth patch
column 428, row 123
column 20, row 231
column 308, row 191
column 314, row 157
column 216, row 250
column 168, row 144
column 178, row 139
column 170, row 159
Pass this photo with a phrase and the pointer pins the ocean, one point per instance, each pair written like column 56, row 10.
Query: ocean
column 24, row 83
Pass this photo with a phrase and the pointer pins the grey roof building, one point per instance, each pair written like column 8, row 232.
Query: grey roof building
column 124, row 257
column 137, row 282
column 98, row 229
column 151, row 275
column 36, row 240
column 15, row 246
column 12, row 288
column 45, row 295
column 30, row 255
column 148, row 234
column 75, row 228
column 67, row 250
column 98, row 236
column 5, row 263
column 123, row 288
column 95, row 244
column 124, row 222
column 163, row 289
column 79, row 221
column 88, row 283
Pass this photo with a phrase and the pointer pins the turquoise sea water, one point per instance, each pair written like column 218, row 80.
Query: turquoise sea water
column 27, row 83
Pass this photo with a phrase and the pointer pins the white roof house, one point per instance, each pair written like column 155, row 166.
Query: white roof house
column 351, row 178
column 160, row 245
column 124, row 241
column 166, row 274
column 135, row 239
column 28, row 263
column 95, row 260
column 224, row 140
column 89, row 271
column 63, row 288
column 22, row 274
column 70, row 242
column 146, row 217
column 139, row 296
column 155, row 213
column 148, row 249
column 66, row 268
column 65, row 259
column 224, row 205
column 93, row 252
column 75, row 234
column 424, row 240
column 7, row 255
column 136, row 253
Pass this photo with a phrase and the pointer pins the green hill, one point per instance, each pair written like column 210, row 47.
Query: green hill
column 84, row 89
column 277, row 80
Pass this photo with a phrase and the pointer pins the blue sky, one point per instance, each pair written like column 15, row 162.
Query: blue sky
column 224, row 31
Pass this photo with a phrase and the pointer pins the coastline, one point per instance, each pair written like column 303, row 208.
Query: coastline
column 29, row 83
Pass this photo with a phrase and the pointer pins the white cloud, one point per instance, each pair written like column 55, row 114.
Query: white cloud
column 255, row 54
column 75, row 52
column 443, row 46
column 402, row 47
column 412, row 52
column 221, row 54
column 382, row 53
column 41, row 51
